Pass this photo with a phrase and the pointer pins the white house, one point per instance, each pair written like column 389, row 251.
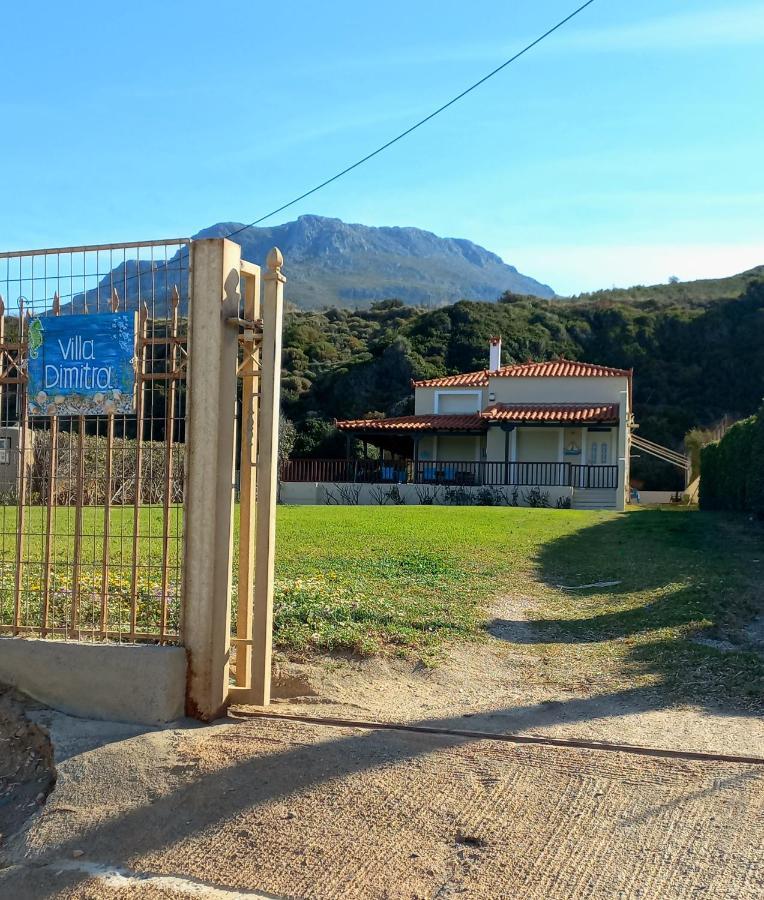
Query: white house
column 561, row 426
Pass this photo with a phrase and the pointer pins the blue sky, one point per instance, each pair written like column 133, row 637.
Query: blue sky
column 626, row 148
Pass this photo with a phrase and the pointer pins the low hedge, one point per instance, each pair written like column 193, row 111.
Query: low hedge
column 732, row 469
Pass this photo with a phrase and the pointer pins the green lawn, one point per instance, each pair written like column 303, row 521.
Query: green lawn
column 409, row 580
column 371, row 578
column 396, row 579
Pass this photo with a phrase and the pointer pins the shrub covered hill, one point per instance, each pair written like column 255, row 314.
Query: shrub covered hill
column 697, row 350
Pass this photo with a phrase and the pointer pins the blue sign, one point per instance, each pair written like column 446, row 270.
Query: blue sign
column 82, row 365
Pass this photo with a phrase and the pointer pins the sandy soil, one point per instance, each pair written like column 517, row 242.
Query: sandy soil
column 489, row 687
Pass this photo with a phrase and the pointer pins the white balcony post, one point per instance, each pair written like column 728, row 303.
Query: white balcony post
column 623, row 450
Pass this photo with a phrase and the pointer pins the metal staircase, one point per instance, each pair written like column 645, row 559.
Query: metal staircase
column 663, row 453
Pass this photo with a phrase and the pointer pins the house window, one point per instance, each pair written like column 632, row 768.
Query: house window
column 603, row 454
column 593, row 455
column 5, row 451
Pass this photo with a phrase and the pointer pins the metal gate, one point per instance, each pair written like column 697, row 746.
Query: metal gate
column 120, row 526
column 91, row 505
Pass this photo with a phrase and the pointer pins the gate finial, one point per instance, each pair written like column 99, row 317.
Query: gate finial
column 274, row 261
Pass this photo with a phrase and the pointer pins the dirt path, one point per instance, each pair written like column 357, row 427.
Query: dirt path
column 499, row 687
column 318, row 812
column 267, row 808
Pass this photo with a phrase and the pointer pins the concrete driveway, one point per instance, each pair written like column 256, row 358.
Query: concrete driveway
column 274, row 808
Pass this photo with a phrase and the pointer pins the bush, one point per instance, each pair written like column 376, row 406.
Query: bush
column 732, row 469
column 536, row 498
column 756, row 489
column 124, row 458
column 457, row 496
column 427, row 496
column 708, row 496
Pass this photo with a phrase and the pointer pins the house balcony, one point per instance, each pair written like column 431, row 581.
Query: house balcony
column 451, row 473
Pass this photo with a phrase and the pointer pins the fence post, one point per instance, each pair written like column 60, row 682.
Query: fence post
column 267, row 487
column 210, row 455
column 250, row 375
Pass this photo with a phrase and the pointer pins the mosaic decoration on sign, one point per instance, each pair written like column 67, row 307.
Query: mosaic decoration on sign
column 82, row 365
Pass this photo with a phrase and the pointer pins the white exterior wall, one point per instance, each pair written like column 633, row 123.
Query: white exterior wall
column 315, row 493
column 428, row 447
column 623, row 445
column 558, row 390
column 538, row 445
column 646, row 498
column 442, row 400
column 459, row 448
column 465, row 448
column 495, row 446
column 424, row 401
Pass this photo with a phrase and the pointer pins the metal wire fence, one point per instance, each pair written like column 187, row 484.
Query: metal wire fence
column 91, row 506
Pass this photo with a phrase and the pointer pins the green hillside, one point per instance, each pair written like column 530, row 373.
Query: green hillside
column 696, row 348
column 680, row 293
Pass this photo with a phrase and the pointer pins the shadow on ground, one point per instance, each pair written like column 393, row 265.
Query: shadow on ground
column 661, row 579
column 195, row 805
column 639, row 550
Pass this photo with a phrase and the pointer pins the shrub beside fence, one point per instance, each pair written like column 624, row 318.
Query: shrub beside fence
column 732, row 469
column 123, row 477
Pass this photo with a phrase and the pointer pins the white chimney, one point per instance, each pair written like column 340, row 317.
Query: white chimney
column 494, row 354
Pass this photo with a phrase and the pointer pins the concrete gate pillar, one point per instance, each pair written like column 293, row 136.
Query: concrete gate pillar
column 210, row 460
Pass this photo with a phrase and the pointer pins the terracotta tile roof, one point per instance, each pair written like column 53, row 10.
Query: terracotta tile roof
column 551, row 412
column 554, row 368
column 416, row 423
column 467, row 379
column 559, row 368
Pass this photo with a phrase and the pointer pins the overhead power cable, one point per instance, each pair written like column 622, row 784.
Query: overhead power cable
column 416, row 125
column 403, row 134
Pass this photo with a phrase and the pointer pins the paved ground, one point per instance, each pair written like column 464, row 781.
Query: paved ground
column 322, row 812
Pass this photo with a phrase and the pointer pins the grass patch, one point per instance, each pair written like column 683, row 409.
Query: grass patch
column 683, row 575
column 410, row 580
column 376, row 579
column 398, row 579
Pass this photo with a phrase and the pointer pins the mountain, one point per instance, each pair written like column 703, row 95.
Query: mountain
column 329, row 263
column 332, row 263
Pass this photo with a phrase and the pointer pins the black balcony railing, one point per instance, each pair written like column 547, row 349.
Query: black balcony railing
column 448, row 472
